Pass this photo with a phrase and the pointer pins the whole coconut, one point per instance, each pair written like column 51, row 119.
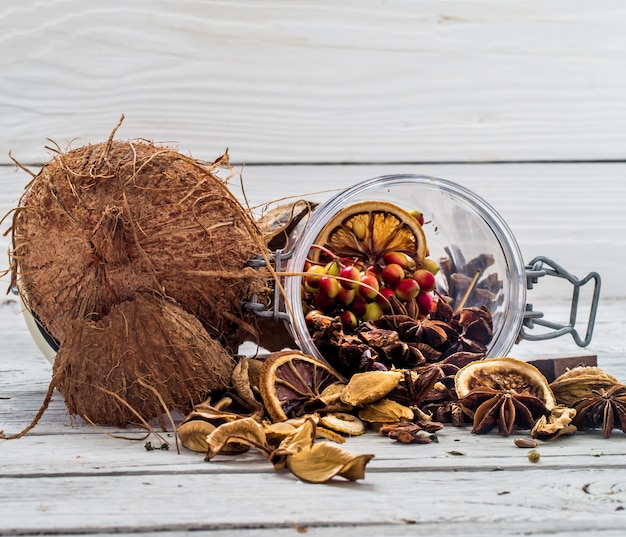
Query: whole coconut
column 102, row 222
column 145, row 357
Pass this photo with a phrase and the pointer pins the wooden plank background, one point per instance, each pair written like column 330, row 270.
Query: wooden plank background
column 319, row 81
column 521, row 101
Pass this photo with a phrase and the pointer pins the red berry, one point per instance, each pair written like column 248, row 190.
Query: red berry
column 430, row 265
column 392, row 274
column 383, row 298
column 313, row 276
column 350, row 277
column 358, row 306
column 407, row 289
column 368, row 288
column 348, row 319
column 424, row 302
column 373, row 312
column 399, row 258
column 425, row 279
column 345, row 296
column 323, row 302
column 330, row 286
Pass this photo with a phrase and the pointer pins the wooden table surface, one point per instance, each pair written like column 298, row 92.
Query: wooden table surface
column 522, row 102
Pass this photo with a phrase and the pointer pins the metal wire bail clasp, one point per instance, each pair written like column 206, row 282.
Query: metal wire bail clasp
column 256, row 307
column 543, row 266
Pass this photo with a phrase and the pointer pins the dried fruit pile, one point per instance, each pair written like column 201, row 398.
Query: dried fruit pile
column 293, row 409
column 371, row 301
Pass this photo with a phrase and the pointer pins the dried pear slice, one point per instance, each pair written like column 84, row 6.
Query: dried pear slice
column 344, row 423
column 368, row 230
column 370, row 386
column 504, row 374
column 290, row 380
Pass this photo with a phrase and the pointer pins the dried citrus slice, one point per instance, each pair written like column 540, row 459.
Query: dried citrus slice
column 504, row 374
column 370, row 229
column 291, row 383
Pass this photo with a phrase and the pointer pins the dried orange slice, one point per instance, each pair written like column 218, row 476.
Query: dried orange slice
column 504, row 374
column 291, row 383
column 370, row 229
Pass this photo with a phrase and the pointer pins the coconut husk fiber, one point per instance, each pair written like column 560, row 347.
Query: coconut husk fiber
column 147, row 356
column 102, row 222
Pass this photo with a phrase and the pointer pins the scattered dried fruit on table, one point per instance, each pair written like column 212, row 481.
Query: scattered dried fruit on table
column 408, row 433
column 503, row 392
column 558, row 423
column 242, row 386
column 311, row 461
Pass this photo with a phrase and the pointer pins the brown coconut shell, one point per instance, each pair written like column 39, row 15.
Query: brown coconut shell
column 102, row 222
column 145, row 357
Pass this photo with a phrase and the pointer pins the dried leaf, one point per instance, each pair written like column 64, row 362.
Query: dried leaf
column 321, row 462
column 385, row 411
column 370, row 386
column 275, row 433
column 193, row 435
column 246, row 431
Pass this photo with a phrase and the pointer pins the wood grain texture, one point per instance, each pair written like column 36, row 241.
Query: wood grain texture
column 319, row 81
column 572, row 213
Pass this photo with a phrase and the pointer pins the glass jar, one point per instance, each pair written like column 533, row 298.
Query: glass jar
column 460, row 227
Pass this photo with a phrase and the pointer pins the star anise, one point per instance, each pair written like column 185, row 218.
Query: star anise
column 602, row 407
column 414, row 387
column 506, row 409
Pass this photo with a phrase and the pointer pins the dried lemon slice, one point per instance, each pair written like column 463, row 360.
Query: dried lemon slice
column 504, row 374
column 291, row 383
column 370, row 229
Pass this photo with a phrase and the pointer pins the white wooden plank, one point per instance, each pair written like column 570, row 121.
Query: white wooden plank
column 319, row 81
column 533, row 500
column 573, row 213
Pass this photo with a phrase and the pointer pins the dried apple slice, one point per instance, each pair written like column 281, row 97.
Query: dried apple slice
column 291, row 383
column 370, row 229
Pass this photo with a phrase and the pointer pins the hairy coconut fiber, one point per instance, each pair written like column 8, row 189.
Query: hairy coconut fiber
column 102, row 222
column 145, row 357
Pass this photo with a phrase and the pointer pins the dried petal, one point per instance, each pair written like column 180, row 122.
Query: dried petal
column 246, row 431
column 385, row 411
column 321, row 462
column 193, row 435
column 370, row 386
